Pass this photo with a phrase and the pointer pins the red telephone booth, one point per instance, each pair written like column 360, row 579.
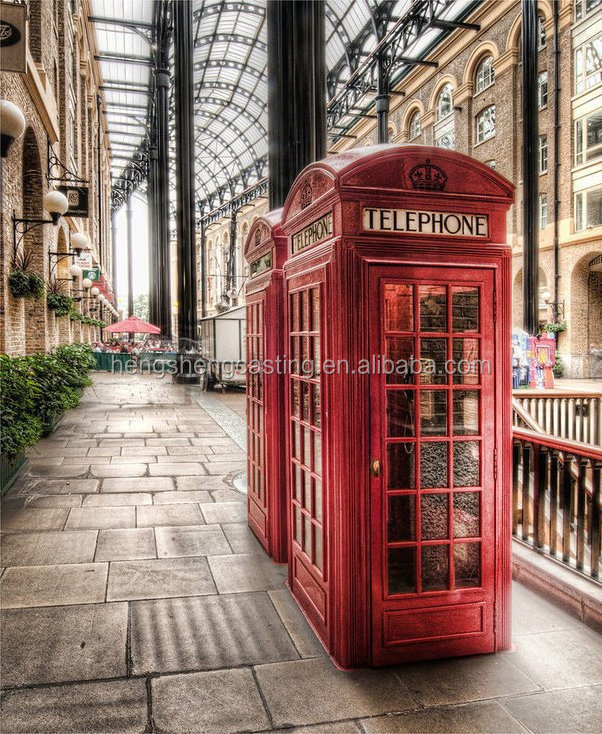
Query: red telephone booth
column 400, row 502
column 265, row 251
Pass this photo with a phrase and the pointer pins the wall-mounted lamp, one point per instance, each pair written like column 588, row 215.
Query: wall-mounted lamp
column 75, row 271
column 86, row 283
column 55, row 203
column 94, row 292
column 12, row 125
column 79, row 242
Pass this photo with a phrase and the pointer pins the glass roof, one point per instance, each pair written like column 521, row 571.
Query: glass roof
column 230, row 66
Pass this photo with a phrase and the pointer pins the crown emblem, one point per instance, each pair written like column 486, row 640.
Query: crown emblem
column 257, row 237
column 307, row 195
column 428, row 177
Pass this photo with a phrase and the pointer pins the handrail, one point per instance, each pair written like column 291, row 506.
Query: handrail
column 526, row 417
column 555, row 392
column 576, row 448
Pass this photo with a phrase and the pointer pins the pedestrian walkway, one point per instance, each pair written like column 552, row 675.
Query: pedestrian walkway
column 135, row 599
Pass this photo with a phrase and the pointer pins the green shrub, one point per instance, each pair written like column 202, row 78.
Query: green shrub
column 25, row 284
column 75, row 315
column 36, row 390
column 60, row 303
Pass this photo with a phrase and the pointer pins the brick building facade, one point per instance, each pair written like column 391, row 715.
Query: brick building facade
column 58, row 96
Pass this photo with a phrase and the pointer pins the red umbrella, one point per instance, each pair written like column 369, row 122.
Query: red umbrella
column 133, row 325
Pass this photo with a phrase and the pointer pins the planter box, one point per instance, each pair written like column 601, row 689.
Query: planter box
column 9, row 469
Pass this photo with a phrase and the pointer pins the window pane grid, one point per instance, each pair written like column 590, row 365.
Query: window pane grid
column 433, row 478
column 255, row 406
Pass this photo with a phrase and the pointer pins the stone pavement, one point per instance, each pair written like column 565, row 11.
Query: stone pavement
column 135, row 599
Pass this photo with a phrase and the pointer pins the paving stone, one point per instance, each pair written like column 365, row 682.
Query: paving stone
column 62, row 451
column 159, row 579
column 228, row 495
column 34, row 518
column 306, row 642
column 176, row 470
column 118, row 470
column 39, row 549
column 73, row 471
column 204, row 440
column 229, row 447
column 222, row 701
column 338, row 727
column 104, row 451
column 241, row 539
column 225, row 512
column 39, row 461
column 206, row 632
column 194, row 540
column 472, row 718
column 63, row 486
column 117, row 499
column 121, row 442
column 138, row 484
column 184, row 484
column 230, row 458
column 185, row 451
column 126, row 544
column 313, row 691
column 168, row 441
column 120, row 460
column 462, row 680
column 45, row 586
column 101, row 517
column 59, row 500
column 560, row 659
column 66, row 643
column 197, row 458
column 170, row 498
column 80, row 443
column 180, row 514
column 221, row 467
column 549, row 617
column 246, row 572
column 572, row 710
column 110, row 707
column 86, row 461
column 143, row 451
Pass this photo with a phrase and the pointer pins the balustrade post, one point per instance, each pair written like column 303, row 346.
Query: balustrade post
column 526, row 499
column 540, row 473
column 554, row 465
column 595, row 521
column 515, row 488
column 581, row 497
column 567, row 495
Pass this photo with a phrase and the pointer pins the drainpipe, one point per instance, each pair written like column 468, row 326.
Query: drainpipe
column 556, row 160
column 99, row 175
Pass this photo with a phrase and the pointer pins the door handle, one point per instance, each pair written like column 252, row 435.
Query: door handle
column 375, row 467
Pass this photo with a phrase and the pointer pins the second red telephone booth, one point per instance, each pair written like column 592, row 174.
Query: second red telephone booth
column 265, row 250
column 398, row 330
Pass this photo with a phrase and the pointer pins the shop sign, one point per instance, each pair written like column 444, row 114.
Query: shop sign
column 92, row 274
column 448, row 224
column 314, row 233
column 13, row 37
column 77, row 197
column 261, row 264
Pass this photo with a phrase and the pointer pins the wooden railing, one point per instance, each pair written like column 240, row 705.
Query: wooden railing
column 573, row 415
column 556, row 498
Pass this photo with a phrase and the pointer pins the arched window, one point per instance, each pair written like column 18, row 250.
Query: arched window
column 486, row 124
column 445, row 102
column 415, row 128
column 485, row 75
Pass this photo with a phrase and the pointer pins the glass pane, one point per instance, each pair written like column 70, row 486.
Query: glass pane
column 294, row 312
column 305, row 356
column 295, row 398
column 433, row 356
column 319, row 554
column 401, row 519
column 466, row 514
column 315, row 309
column 401, row 466
column 433, row 308
column 303, row 313
column 297, row 524
column 306, row 491
column 433, row 412
column 435, row 567
column 465, row 308
column 400, row 413
column 433, row 517
column 315, row 408
column 466, row 464
column 317, row 439
column 466, row 412
column 467, row 564
column 316, row 355
column 433, row 464
column 465, row 366
column 295, row 356
column 400, row 354
column 306, row 447
column 305, row 401
column 307, row 535
column 402, row 570
column 399, row 307
column 317, row 499
column 298, row 482
column 296, row 441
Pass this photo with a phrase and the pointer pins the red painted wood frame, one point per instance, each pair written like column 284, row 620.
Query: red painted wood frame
column 419, row 568
column 265, row 250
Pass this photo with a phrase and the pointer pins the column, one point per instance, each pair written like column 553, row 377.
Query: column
column 128, row 214
column 185, row 181
column 296, row 91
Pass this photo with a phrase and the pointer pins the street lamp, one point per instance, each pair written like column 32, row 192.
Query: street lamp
column 12, row 125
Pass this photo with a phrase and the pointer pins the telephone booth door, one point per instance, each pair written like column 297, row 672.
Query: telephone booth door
column 433, row 462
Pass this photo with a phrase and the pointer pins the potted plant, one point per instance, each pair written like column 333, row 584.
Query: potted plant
column 22, row 280
column 57, row 300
